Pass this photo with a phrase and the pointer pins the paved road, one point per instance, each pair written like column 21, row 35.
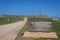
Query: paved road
column 9, row 31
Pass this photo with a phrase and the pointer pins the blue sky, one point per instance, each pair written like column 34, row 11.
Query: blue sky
column 30, row 7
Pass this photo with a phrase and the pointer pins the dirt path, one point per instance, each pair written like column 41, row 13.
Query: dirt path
column 9, row 31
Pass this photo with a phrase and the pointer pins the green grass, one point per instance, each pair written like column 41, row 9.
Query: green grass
column 4, row 20
column 56, row 27
column 24, row 29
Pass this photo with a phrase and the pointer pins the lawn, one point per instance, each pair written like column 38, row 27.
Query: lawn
column 5, row 20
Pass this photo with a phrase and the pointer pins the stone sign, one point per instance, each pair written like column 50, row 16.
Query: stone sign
column 40, row 26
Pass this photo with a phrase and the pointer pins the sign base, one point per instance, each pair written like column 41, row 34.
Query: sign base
column 40, row 35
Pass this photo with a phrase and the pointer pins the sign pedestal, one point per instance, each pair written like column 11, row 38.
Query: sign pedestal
column 40, row 35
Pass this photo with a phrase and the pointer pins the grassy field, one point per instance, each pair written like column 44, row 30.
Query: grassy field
column 4, row 20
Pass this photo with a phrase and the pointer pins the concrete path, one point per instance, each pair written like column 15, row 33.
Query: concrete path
column 10, row 31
